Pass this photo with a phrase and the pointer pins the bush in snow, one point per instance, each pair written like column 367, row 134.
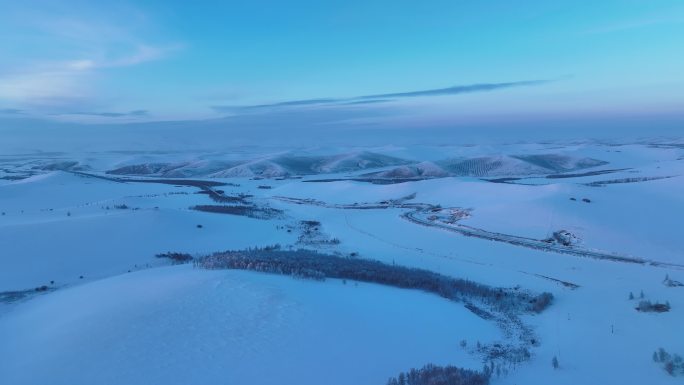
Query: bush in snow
column 563, row 237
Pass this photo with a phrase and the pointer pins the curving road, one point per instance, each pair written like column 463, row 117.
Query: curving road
column 418, row 217
column 419, row 213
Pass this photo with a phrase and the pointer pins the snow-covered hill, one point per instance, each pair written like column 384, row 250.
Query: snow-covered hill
column 179, row 325
column 493, row 166
column 278, row 165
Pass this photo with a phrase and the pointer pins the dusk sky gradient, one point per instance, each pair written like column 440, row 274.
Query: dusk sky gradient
column 361, row 62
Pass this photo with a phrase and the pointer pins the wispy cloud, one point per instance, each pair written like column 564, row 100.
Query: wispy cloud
column 673, row 18
column 52, row 84
column 90, row 44
column 370, row 101
column 383, row 98
column 11, row 111
column 292, row 103
column 44, row 85
column 463, row 89
column 134, row 113
column 138, row 54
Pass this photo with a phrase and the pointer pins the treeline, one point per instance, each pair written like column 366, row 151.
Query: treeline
column 440, row 375
column 310, row 264
column 220, row 197
column 601, row 183
column 13, row 296
column 242, row 210
column 176, row 257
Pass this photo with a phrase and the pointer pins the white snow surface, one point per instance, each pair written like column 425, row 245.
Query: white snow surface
column 133, row 319
column 179, row 325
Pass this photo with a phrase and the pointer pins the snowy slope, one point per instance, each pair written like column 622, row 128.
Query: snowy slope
column 58, row 227
column 178, row 325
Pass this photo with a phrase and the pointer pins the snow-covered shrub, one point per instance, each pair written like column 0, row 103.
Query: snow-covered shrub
column 563, row 237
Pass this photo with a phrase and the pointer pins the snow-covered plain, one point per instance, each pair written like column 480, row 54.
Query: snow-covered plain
column 114, row 313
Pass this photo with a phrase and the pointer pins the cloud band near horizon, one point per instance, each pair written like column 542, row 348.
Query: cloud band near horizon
column 384, row 98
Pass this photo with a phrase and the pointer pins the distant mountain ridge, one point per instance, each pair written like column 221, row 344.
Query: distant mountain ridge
column 289, row 165
column 267, row 167
column 492, row 166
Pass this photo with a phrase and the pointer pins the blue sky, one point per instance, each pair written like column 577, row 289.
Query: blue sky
column 361, row 62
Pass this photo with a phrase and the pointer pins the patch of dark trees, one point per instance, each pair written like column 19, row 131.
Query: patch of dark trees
column 602, row 183
column 251, row 211
column 510, row 352
column 503, row 180
column 312, row 234
column 17, row 295
column 175, row 182
column 176, row 257
column 440, row 375
column 672, row 363
column 12, row 296
column 311, row 264
column 582, row 174
column 220, row 197
column 650, row 307
column 585, row 200
column 671, row 282
column 379, row 181
column 14, row 177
